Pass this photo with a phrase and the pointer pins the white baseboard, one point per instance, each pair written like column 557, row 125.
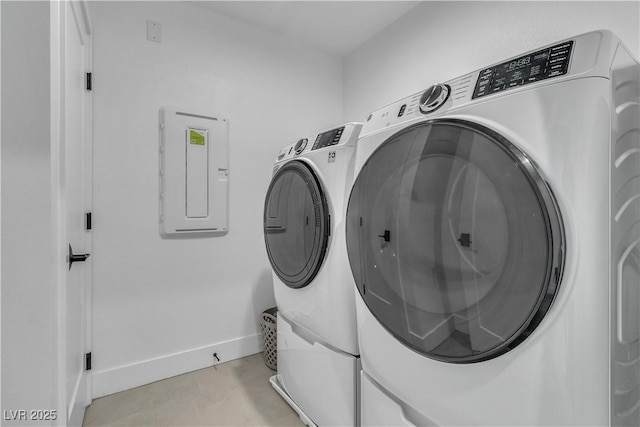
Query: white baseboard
column 125, row 377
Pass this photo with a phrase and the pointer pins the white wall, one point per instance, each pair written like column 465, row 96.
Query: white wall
column 162, row 307
column 27, row 284
column 438, row 41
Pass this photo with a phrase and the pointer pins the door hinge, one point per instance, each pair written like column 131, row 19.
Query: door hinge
column 88, row 81
column 87, row 221
column 87, row 361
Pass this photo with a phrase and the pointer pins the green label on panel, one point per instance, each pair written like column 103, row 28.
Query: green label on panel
column 195, row 137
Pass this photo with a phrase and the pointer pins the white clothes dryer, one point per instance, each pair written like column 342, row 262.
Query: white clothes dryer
column 304, row 212
column 493, row 231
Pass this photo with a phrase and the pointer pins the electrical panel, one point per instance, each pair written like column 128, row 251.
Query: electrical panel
column 194, row 173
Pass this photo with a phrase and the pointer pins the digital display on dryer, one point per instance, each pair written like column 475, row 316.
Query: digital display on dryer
column 540, row 65
column 328, row 138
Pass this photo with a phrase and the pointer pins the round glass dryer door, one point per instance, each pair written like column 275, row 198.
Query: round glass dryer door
column 454, row 240
column 296, row 224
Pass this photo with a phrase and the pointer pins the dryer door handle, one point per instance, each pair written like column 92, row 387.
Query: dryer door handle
column 386, row 235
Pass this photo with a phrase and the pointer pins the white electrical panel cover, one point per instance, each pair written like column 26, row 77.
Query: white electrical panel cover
column 194, row 173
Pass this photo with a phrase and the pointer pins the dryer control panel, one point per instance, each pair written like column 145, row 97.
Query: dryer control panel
column 572, row 57
column 345, row 135
column 329, row 138
column 536, row 66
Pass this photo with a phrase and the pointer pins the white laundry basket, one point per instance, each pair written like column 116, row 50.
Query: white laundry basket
column 268, row 326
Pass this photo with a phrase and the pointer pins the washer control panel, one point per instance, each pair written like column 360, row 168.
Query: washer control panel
column 585, row 55
column 344, row 136
column 328, row 138
column 540, row 65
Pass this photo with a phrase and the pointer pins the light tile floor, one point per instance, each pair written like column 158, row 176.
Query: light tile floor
column 235, row 393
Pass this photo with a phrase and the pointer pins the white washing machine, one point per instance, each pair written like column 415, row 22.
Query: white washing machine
column 493, row 231
column 318, row 361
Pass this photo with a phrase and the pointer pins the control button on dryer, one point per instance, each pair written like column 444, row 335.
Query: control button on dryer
column 434, row 97
column 301, row 145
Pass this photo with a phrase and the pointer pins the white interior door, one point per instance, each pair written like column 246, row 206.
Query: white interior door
column 75, row 194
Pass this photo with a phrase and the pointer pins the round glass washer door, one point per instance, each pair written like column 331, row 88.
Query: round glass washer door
column 455, row 241
column 296, row 224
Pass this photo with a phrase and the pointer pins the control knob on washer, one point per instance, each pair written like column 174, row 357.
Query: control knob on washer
column 434, row 97
column 300, row 145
